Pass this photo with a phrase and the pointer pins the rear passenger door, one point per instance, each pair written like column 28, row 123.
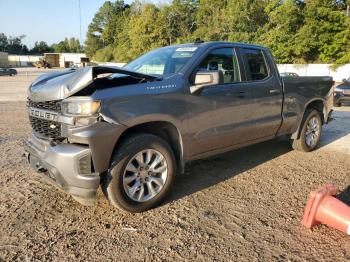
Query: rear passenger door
column 266, row 90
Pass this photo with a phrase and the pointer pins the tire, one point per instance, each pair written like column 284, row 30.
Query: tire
column 122, row 169
column 303, row 143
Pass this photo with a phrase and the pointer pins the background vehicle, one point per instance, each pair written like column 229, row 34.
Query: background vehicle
column 42, row 64
column 342, row 93
column 8, row 72
column 289, row 74
column 133, row 128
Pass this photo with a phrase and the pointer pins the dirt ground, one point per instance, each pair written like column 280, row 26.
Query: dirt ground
column 245, row 205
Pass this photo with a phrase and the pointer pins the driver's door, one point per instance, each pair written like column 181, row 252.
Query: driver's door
column 220, row 114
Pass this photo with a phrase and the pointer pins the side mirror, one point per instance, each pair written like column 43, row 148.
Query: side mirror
column 207, row 78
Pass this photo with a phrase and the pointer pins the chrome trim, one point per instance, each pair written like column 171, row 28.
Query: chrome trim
column 43, row 114
column 50, row 115
column 66, row 119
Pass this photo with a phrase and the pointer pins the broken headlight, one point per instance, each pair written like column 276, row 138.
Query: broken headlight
column 80, row 106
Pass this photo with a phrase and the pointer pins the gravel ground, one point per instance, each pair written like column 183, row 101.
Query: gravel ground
column 245, row 205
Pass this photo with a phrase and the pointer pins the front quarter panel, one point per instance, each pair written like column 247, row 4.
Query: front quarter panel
column 148, row 102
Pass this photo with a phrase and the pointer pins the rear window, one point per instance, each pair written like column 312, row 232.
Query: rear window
column 256, row 64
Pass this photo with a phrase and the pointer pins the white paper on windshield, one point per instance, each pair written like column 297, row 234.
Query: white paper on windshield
column 186, row 49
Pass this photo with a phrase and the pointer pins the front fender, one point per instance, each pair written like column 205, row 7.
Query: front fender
column 101, row 138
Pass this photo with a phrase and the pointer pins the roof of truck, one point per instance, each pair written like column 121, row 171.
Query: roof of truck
column 213, row 43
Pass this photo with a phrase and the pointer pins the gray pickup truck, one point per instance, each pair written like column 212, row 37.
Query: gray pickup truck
column 132, row 129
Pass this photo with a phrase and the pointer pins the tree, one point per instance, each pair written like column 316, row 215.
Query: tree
column 245, row 19
column 294, row 30
column 324, row 36
column 71, row 45
column 144, row 34
column 40, row 48
column 177, row 22
column 104, row 54
column 74, row 45
column 210, row 20
column 3, row 42
column 284, row 21
column 104, row 28
column 61, row 47
column 15, row 46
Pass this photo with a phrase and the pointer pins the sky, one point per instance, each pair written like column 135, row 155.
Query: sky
column 46, row 20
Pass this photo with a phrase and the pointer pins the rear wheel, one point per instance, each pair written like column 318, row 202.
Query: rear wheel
column 141, row 174
column 310, row 133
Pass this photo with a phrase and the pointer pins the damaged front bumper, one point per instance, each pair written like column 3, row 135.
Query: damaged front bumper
column 67, row 166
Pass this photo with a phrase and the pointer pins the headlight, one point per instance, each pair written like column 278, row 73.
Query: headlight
column 80, row 106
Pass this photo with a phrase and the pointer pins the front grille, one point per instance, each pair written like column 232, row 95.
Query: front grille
column 49, row 105
column 46, row 128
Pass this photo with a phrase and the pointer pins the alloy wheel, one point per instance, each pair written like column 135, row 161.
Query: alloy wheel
column 312, row 134
column 145, row 175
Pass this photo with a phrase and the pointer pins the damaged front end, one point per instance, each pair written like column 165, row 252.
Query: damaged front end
column 60, row 85
column 71, row 142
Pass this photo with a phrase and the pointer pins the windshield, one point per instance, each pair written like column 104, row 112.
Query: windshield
column 162, row 62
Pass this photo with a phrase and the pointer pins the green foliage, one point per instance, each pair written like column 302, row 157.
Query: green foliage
column 296, row 31
column 106, row 26
column 211, row 23
column 71, row 45
column 3, row 42
column 324, row 34
column 279, row 34
column 12, row 44
column 105, row 54
column 40, row 48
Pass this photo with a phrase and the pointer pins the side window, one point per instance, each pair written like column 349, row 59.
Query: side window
column 224, row 60
column 255, row 61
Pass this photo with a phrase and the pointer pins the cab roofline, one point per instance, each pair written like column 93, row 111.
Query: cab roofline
column 214, row 43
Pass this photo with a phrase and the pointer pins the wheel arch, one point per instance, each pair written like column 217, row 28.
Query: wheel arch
column 317, row 104
column 164, row 129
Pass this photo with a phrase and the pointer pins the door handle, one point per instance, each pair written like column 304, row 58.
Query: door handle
column 274, row 91
column 241, row 94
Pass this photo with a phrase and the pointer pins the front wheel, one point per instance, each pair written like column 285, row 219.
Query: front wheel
column 310, row 133
column 141, row 173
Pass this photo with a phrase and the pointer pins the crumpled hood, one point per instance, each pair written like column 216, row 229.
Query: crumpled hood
column 60, row 85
